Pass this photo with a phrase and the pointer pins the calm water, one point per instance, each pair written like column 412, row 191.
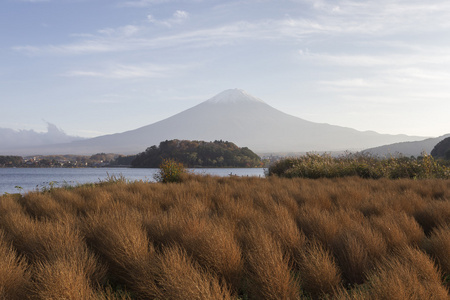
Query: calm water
column 39, row 178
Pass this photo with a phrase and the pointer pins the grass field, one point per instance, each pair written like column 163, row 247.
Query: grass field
column 229, row 238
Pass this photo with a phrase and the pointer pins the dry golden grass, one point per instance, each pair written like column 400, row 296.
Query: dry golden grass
column 410, row 274
column 180, row 277
column 436, row 213
column 398, row 229
column 268, row 271
column 319, row 274
column 117, row 235
column 60, row 279
column 229, row 238
column 356, row 251
column 14, row 276
column 438, row 246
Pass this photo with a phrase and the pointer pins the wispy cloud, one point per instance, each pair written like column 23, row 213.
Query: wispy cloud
column 178, row 17
column 383, row 17
column 146, row 3
column 350, row 83
column 382, row 20
column 121, row 71
column 423, row 56
column 129, row 38
column 126, row 31
column 33, row 1
column 141, row 3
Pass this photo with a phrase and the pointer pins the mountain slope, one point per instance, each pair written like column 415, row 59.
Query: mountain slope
column 407, row 148
column 235, row 116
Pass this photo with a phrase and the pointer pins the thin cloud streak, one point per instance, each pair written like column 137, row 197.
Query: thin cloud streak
column 223, row 35
column 426, row 58
column 119, row 71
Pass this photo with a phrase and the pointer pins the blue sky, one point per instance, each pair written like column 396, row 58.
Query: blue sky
column 96, row 67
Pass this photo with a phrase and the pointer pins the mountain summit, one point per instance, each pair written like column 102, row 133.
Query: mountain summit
column 238, row 117
column 233, row 96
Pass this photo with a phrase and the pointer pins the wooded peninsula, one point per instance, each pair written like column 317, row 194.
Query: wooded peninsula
column 217, row 154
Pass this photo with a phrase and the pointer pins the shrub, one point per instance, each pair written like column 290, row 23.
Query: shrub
column 325, row 166
column 170, row 171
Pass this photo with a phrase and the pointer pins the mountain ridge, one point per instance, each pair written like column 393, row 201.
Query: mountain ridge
column 235, row 116
column 412, row 148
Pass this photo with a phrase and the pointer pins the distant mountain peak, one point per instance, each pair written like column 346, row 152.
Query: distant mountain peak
column 233, row 115
column 233, row 96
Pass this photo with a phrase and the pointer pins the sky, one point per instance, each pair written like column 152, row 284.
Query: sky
column 96, row 67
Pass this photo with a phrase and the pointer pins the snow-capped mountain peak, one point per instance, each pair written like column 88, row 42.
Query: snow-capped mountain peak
column 235, row 116
column 234, row 96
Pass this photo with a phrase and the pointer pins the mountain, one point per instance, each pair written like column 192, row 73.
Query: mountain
column 442, row 149
column 238, row 117
column 415, row 148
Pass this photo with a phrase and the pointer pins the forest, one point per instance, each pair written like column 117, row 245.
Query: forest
column 198, row 154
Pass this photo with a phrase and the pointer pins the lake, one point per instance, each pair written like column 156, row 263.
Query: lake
column 15, row 180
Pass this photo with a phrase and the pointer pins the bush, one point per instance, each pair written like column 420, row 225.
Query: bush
column 170, row 171
column 325, row 166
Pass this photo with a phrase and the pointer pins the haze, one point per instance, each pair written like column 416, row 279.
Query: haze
column 106, row 66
